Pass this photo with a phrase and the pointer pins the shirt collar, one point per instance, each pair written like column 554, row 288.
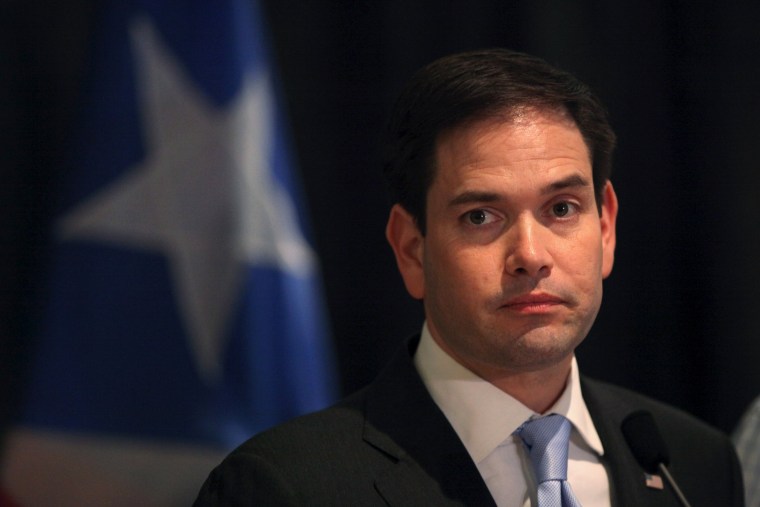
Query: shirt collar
column 483, row 415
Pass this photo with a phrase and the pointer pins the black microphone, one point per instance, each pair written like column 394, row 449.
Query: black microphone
column 647, row 445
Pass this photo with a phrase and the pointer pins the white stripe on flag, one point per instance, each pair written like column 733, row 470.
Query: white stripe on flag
column 102, row 471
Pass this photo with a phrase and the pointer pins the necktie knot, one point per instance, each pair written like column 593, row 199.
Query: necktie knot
column 547, row 440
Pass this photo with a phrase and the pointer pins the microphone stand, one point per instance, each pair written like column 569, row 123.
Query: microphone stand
column 666, row 473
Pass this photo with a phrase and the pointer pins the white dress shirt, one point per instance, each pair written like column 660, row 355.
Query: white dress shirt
column 486, row 417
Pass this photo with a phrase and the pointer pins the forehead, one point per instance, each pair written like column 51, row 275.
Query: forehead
column 526, row 144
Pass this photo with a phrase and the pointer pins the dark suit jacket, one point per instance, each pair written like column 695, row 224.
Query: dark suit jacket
column 390, row 444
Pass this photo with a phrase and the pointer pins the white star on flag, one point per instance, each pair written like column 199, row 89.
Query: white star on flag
column 204, row 196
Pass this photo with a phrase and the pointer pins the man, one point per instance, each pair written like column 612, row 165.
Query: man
column 504, row 226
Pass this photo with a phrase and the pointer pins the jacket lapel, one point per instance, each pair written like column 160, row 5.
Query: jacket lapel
column 627, row 480
column 431, row 465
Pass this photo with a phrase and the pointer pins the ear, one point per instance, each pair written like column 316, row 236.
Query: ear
column 408, row 245
column 608, row 221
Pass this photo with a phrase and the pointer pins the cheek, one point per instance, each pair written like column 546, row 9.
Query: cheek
column 476, row 267
column 461, row 272
column 583, row 259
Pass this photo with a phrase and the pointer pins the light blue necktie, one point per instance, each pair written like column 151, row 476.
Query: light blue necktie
column 547, row 439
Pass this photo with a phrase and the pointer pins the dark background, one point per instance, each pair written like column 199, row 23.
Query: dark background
column 680, row 314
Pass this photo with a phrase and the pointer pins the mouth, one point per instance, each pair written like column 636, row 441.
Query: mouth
column 533, row 303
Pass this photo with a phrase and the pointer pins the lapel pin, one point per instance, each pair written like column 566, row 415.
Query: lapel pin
column 653, row 481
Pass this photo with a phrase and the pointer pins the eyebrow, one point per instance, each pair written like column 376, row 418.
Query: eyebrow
column 572, row 181
column 473, row 196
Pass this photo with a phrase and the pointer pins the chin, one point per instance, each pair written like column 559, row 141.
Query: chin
column 535, row 360
column 534, row 352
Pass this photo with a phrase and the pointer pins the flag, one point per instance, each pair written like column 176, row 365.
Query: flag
column 183, row 311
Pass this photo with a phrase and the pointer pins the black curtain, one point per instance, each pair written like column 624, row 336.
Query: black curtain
column 680, row 80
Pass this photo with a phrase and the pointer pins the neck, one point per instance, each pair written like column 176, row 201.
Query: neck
column 537, row 387
column 537, row 380
column 537, row 390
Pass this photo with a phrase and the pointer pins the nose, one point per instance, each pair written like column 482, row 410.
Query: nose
column 527, row 253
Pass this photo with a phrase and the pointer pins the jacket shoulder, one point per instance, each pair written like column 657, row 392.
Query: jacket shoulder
column 702, row 459
column 297, row 462
column 622, row 402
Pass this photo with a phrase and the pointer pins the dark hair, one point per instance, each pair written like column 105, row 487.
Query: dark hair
column 467, row 87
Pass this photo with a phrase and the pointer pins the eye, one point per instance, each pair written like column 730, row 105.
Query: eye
column 561, row 209
column 479, row 217
column 564, row 210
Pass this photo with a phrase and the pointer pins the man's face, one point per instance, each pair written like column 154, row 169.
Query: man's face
column 511, row 267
